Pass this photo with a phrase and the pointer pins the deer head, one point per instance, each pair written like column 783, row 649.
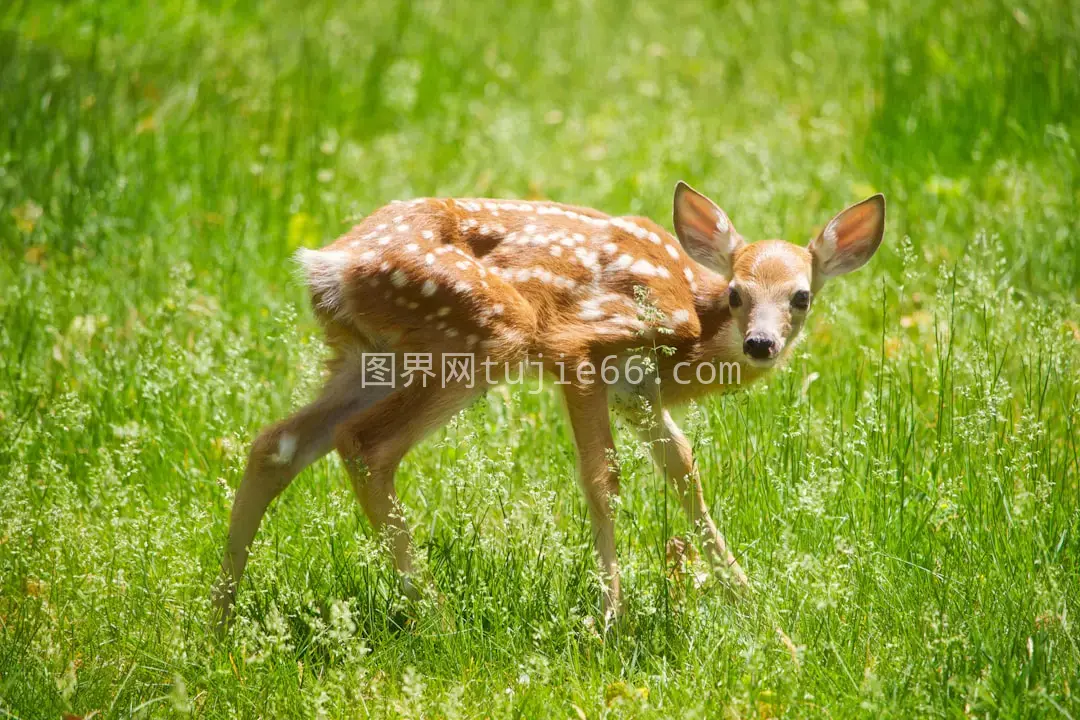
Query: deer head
column 772, row 283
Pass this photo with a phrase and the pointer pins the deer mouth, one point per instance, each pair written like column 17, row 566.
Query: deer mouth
column 760, row 363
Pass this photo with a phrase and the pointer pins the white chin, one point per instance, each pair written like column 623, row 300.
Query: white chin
column 754, row 362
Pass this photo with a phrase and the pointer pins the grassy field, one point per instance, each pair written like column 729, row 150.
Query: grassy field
column 905, row 496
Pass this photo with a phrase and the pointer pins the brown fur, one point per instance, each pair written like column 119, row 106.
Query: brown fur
column 513, row 280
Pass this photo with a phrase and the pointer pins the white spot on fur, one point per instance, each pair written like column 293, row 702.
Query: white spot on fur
column 588, row 258
column 644, row 268
column 592, row 308
column 429, row 259
column 672, row 251
column 681, row 316
column 591, row 314
column 286, row 449
column 428, row 288
column 627, row 321
column 427, row 234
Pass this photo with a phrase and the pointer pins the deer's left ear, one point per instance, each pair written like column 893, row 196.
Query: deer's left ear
column 849, row 240
column 704, row 230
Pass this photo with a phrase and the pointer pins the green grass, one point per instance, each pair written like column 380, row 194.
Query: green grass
column 911, row 518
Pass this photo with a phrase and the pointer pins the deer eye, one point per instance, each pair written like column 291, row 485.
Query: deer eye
column 734, row 298
column 800, row 300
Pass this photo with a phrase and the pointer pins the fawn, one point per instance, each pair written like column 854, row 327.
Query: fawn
column 509, row 280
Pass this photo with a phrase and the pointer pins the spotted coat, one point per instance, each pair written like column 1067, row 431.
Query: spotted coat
column 509, row 278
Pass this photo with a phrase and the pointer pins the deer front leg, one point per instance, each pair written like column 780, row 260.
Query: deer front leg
column 672, row 454
column 588, row 411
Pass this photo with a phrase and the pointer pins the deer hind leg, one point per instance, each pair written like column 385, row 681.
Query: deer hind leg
column 278, row 454
column 591, row 423
column 372, row 444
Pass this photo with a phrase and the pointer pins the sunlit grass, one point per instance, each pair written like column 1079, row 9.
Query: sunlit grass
column 904, row 496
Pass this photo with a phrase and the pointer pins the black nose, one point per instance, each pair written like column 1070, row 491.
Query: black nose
column 759, row 347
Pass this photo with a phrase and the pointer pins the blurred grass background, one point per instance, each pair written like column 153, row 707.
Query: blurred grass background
column 905, row 495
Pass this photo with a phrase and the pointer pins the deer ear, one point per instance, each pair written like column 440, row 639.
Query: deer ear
column 850, row 239
column 704, row 230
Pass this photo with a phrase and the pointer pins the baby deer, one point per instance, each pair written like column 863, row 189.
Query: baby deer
column 561, row 287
